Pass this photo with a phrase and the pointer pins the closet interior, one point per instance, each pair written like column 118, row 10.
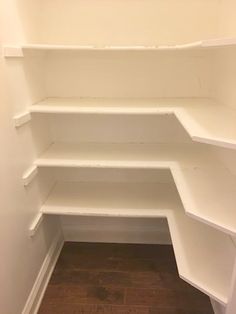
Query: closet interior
column 126, row 110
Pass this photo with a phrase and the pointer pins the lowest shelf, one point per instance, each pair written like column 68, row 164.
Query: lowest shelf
column 207, row 189
column 200, row 117
column 200, row 262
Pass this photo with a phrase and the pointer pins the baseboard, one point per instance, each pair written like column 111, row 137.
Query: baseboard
column 217, row 308
column 41, row 282
column 118, row 230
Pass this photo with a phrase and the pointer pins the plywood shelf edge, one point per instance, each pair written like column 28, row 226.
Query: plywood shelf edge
column 18, row 50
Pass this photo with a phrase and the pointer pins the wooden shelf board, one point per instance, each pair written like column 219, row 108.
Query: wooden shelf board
column 206, row 188
column 112, row 199
column 18, row 50
column 205, row 256
column 199, row 117
column 199, row 249
column 125, row 155
column 105, row 106
column 208, row 195
column 49, row 47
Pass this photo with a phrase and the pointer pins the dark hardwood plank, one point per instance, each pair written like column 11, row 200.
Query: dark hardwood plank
column 119, row 250
column 93, row 309
column 146, row 279
column 166, row 297
column 74, row 294
column 121, row 279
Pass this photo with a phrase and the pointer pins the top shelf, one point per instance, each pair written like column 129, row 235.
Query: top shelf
column 18, row 50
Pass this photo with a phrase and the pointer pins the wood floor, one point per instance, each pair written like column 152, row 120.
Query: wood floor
column 94, row 278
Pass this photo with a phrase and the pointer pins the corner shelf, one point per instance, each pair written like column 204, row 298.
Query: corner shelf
column 204, row 255
column 202, row 264
column 198, row 178
column 200, row 117
column 208, row 195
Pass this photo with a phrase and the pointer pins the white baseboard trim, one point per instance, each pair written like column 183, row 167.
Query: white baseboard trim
column 217, row 307
column 34, row 300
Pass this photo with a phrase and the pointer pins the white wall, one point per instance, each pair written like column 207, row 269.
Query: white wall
column 21, row 256
column 134, row 74
column 105, row 229
column 128, row 22
column 227, row 20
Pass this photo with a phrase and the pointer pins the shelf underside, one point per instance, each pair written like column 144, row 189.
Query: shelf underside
column 203, row 120
column 202, row 263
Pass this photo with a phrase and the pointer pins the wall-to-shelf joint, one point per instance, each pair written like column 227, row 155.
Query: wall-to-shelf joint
column 35, row 224
column 13, row 52
column 29, row 175
column 22, row 119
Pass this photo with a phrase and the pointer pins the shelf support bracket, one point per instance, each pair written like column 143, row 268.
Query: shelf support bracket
column 35, row 224
column 22, row 119
column 13, row 52
column 29, row 175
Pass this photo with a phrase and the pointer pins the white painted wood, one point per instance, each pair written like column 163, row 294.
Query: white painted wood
column 22, row 119
column 35, row 224
column 36, row 295
column 107, row 105
column 200, row 117
column 234, row 240
column 47, row 47
column 111, row 199
column 17, row 51
column 207, row 189
column 208, row 195
column 217, row 307
column 204, row 255
column 29, row 175
column 201, row 263
column 124, row 155
column 230, row 308
column 13, row 52
column 210, row 124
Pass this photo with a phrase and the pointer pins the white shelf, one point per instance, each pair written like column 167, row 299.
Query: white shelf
column 204, row 255
column 199, row 117
column 201, row 263
column 208, row 195
column 206, row 188
column 48, row 47
column 112, row 199
column 105, row 106
column 18, row 50
column 125, row 155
